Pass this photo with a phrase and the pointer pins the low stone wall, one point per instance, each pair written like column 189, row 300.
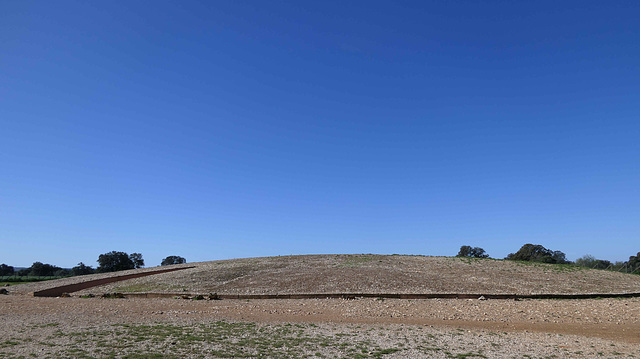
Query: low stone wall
column 70, row 288
column 386, row 295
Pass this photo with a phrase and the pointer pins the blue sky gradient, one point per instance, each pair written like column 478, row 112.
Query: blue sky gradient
column 225, row 129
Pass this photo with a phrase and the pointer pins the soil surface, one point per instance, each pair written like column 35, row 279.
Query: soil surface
column 393, row 328
column 499, row 328
column 366, row 273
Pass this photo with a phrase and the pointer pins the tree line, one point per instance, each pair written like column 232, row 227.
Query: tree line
column 538, row 253
column 107, row 262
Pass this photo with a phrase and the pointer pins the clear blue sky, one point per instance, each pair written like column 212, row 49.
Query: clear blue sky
column 225, row 129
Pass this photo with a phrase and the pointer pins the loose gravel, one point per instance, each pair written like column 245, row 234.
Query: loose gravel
column 361, row 328
column 315, row 328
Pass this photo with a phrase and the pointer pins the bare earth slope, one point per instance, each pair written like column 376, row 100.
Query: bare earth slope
column 375, row 274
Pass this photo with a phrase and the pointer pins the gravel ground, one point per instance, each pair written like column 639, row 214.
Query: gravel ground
column 366, row 273
column 380, row 274
column 77, row 327
column 361, row 328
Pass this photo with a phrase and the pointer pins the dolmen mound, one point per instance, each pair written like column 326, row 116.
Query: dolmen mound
column 361, row 275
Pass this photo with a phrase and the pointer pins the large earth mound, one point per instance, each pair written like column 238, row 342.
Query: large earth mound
column 374, row 274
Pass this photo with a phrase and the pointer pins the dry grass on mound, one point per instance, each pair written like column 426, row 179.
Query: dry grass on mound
column 369, row 273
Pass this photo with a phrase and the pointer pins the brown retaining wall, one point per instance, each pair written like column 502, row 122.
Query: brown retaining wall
column 58, row 291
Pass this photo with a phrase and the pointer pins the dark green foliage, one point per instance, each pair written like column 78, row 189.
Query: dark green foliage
column 42, row 269
column 23, row 272
column 591, row 262
column 173, row 260
column 137, row 260
column 634, row 262
column 475, row 252
column 39, row 269
column 62, row 272
column 538, row 253
column 6, row 270
column 82, row 269
column 113, row 295
column 116, row 261
column 559, row 257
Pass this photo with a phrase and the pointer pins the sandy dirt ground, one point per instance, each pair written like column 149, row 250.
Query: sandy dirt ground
column 357, row 328
column 488, row 328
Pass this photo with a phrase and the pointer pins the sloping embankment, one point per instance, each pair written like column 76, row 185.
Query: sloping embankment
column 70, row 288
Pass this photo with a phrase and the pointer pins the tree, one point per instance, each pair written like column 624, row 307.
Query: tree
column 116, row 261
column 537, row 253
column 62, row 272
column 475, row 252
column 6, row 269
column 42, row 269
column 586, row 260
column 591, row 262
column 82, row 269
column 137, row 260
column 634, row 262
column 559, row 257
column 173, row 260
column 23, row 272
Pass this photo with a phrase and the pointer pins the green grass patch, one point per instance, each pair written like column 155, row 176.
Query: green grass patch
column 356, row 260
column 219, row 339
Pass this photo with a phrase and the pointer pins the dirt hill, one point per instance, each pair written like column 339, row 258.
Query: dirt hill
column 367, row 273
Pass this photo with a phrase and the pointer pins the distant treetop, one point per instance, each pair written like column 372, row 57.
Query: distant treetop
column 6, row 269
column 173, row 260
column 475, row 252
column 116, row 261
column 538, row 253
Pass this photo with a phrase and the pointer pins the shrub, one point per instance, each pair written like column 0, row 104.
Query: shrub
column 537, row 253
column 634, row 262
column 591, row 262
column 475, row 252
column 173, row 260
column 82, row 269
column 6, row 270
column 117, row 261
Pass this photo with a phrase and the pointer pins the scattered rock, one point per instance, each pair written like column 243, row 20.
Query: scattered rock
column 65, row 295
column 112, row 295
column 482, row 298
column 4, row 291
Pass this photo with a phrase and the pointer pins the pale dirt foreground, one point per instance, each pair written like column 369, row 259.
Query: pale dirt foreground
column 330, row 328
